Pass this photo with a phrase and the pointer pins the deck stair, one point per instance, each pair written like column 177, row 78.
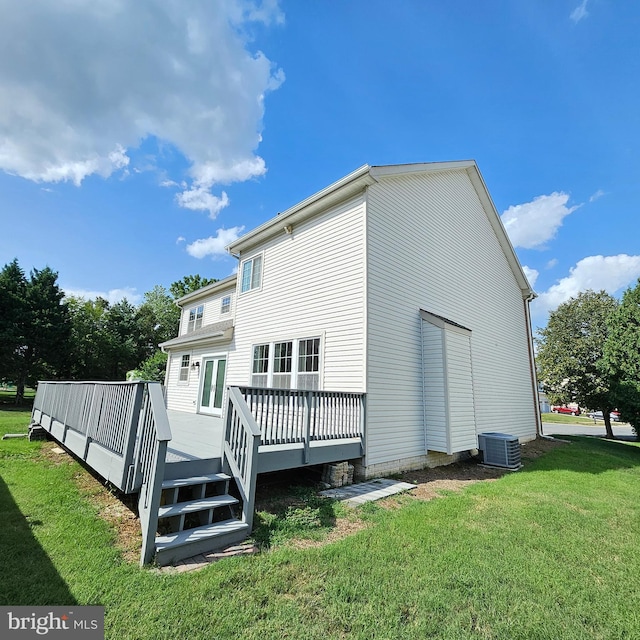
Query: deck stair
column 196, row 514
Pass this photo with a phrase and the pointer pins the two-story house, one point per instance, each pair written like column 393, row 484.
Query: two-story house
column 398, row 282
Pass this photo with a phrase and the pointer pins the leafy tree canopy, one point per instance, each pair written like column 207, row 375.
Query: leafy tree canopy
column 570, row 353
column 622, row 356
column 34, row 326
column 189, row 284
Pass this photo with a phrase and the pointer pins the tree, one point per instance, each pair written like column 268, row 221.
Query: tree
column 189, row 284
column 153, row 368
column 570, row 353
column 34, row 328
column 622, row 356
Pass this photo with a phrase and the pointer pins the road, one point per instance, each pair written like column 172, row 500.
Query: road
column 623, row 431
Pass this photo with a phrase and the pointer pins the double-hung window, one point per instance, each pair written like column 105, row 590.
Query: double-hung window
column 309, row 363
column 292, row 364
column 195, row 318
column 260, row 369
column 225, row 306
column 184, row 368
column 251, row 274
column 282, row 357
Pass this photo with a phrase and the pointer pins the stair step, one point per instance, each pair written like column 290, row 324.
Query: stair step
column 199, row 534
column 187, row 482
column 195, row 505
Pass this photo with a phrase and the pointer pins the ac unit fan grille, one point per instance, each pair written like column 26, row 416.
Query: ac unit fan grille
column 500, row 450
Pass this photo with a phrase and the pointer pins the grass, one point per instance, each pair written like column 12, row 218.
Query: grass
column 562, row 418
column 548, row 552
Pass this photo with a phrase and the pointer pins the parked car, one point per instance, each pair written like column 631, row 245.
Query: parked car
column 597, row 415
column 566, row 410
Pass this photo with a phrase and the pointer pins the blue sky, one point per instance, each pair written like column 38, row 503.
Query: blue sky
column 138, row 138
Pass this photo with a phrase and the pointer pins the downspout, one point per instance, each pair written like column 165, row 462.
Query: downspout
column 532, row 365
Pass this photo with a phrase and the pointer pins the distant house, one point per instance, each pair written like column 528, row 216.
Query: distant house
column 396, row 281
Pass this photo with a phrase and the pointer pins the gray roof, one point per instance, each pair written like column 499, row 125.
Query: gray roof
column 208, row 333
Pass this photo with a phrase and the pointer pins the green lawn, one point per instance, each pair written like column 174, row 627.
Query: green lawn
column 562, row 418
column 548, row 552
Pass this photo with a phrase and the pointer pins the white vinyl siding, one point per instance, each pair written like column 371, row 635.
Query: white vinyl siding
column 312, row 286
column 212, row 310
column 431, row 246
column 448, row 385
column 435, row 404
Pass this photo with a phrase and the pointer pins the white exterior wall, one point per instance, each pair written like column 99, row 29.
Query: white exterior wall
column 183, row 396
column 430, row 246
column 212, row 305
column 312, row 285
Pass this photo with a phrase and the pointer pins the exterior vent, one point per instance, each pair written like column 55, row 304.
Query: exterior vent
column 500, row 450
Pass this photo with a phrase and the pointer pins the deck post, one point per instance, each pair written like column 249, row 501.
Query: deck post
column 308, row 402
column 132, row 433
column 363, row 420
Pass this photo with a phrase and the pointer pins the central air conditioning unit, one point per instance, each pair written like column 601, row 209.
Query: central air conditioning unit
column 500, row 450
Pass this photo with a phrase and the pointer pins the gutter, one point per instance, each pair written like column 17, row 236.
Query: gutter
column 532, row 366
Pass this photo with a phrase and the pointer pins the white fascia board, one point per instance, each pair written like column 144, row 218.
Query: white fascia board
column 339, row 191
column 501, row 233
column 391, row 170
column 214, row 287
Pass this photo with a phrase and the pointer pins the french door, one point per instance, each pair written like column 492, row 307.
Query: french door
column 212, row 386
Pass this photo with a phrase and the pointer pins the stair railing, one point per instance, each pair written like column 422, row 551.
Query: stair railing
column 240, row 450
column 151, row 452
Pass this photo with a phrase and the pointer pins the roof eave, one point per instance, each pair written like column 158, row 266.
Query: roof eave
column 220, row 285
column 339, row 191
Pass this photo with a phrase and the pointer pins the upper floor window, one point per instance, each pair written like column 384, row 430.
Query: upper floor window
column 251, row 274
column 184, row 368
column 195, row 318
column 225, row 307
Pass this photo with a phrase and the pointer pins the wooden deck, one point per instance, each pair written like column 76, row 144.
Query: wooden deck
column 181, row 464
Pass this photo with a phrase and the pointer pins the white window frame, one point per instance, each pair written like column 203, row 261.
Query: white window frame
column 255, row 275
column 198, row 315
column 296, row 375
column 225, row 307
column 183, row 371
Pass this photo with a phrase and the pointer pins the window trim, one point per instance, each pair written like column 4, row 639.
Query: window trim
column 184, row 368
column 198, row 314
column 224, row 311
column 252, row 260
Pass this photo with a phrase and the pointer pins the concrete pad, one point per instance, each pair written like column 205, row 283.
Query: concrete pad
column 357, row 494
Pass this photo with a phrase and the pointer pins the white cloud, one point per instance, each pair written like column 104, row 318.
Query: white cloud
column 598, row 194
column 611, row 273
column 112, row 296
column 552, row 263
column 82, row 82
column 201, row 199
column 531, row 224
column 532, row 275
column 180, row 239
column 580, row 12
column 214, row 245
